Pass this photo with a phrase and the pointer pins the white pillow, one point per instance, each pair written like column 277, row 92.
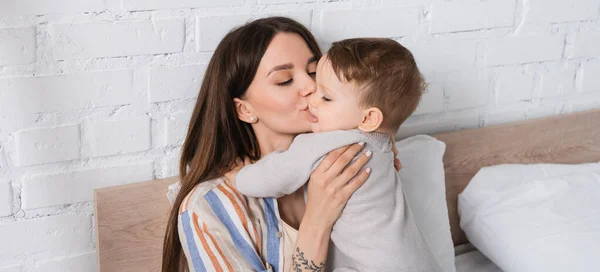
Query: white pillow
column 543, row 217
column 423, row 177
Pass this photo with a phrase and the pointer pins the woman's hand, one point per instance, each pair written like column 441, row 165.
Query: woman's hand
column 333, row 182
column 330, row 186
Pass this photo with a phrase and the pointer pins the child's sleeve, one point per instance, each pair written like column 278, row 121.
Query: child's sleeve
column 283, row 172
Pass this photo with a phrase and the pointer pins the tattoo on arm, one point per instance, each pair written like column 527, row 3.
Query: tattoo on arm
column 302, row 264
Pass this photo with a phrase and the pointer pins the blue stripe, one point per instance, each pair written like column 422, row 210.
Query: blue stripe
column 272, row 229
column 243, row 247
column 191, row 242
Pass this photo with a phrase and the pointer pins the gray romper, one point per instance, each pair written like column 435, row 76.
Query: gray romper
column 377, row 230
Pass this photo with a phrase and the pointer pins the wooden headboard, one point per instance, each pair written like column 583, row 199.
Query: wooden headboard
column 130, row 225
column 131, row 219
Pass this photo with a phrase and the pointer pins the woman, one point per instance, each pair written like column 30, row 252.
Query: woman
column 252, row 102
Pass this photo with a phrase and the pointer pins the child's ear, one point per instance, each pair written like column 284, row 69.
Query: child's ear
column 244, row 110
column 372, row 119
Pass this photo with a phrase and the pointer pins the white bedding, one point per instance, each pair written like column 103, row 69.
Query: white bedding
column 469, row 259
column 535, row 218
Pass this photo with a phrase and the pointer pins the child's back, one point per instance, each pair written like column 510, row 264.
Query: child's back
column 377, row 230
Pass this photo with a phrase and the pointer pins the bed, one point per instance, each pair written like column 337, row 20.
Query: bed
column 568, row 139
column 130, row 219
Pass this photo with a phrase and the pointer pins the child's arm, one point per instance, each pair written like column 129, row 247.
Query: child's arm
column 283, row 172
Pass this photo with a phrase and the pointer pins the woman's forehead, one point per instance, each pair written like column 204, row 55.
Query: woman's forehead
column 286, row 48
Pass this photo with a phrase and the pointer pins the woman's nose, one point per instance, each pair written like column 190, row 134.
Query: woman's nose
column 309, row 88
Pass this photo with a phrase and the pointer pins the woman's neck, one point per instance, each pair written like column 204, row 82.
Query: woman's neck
column 270, row 141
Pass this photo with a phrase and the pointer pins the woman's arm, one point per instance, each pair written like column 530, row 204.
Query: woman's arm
column 215, row 232
column 329, row 188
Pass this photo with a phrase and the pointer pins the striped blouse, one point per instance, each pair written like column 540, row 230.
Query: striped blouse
column 221, row 230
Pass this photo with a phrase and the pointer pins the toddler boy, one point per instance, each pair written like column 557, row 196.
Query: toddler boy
column 366, row 88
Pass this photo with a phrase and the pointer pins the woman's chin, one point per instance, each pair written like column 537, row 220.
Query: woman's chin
column 303, row 126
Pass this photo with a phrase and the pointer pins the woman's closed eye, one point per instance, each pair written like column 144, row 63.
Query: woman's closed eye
column 285, row 83
column 313, row 74
column 325, row 98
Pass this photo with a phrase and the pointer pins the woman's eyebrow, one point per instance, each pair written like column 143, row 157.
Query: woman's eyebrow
column 289, row 65
column 281, row 67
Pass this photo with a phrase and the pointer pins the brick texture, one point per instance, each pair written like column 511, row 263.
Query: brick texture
column 39, row 146
column 474, row 15
column 55, row 93
column 114, row 137
column 17, row 46
column 68, row 188
column 77, row 41
column 6, row 199
column 524, row 49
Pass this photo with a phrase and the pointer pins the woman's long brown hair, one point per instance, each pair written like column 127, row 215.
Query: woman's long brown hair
column 216, row 137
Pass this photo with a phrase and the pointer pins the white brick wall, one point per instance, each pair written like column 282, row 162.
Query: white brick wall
column 114, row 137
column 591, row 76
column 175, row 4
column 41, row 7
column 432, row 100
column 6, row 199
column 172, row 83
column 211, row 29
column 446, row 123
column 284, row 1
column 558, row 79
column 46, row 237
column 85, row 262
column 370, row 22
column 55, row 93
column 513, row 84
column 444, row 56
column 586, row 44
column 524, row 49
column 17, row 46
column 544, row 11
column 12, row 269
column 98, row 93
column 176, row 129
column 44, row 191
column 451, row 16
column 39, row 146
column 122, row 39
column 467, row 89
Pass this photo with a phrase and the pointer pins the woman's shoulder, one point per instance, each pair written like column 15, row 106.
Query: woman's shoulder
column 197, row 197
column 214, row 208
column 218, row 196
